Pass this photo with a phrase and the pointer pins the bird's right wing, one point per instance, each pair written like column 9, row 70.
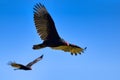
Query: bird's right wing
column 73, row 49
column 35, row 61
column 44, row 23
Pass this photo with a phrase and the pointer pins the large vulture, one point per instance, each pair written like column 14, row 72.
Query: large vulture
column 25, row 67
column 46, row 29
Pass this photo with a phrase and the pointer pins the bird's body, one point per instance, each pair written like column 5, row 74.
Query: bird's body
column 46, row 29
column 51, row 44
column 25, row 67
column 20, row 66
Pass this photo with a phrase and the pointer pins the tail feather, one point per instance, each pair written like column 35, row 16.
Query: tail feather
column 38, row 46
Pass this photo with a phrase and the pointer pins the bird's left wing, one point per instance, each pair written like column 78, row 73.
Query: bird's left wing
column 44, row 23
column 73, row 49
column 35, row 61
column 13, row 64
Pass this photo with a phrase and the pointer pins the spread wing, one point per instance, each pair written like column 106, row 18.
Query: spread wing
column 16, row 65
column 71, row 48
column 35, row 61
column 44, row 23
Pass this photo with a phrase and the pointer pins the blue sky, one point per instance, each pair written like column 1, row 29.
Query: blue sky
column 91, row 23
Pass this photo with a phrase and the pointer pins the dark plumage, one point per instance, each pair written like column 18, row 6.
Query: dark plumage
column 25, row 67
column 46, row 29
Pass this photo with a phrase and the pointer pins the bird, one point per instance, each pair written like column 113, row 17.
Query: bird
column 47, row 31
column 25, row 67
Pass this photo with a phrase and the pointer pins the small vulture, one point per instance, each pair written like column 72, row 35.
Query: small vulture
column 25, row 67
column 46, row 29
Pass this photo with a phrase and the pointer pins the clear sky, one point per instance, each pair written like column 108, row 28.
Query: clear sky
column 88, row 23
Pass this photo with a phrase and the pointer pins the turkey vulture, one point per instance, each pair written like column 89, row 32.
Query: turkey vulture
column 46, row 29
column 25, row 67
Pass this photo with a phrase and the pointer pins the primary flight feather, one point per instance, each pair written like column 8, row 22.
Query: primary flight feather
column 46, row 29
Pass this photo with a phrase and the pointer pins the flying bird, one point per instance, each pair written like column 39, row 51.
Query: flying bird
column 25, row 67
column 47, row 31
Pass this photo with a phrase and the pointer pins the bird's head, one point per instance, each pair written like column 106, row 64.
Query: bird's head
column 66, row 43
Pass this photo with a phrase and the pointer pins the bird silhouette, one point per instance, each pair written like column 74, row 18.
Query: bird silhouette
column 25, row 67
column 46, row 29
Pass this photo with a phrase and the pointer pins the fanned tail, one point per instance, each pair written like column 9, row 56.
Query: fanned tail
column 38, row 46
